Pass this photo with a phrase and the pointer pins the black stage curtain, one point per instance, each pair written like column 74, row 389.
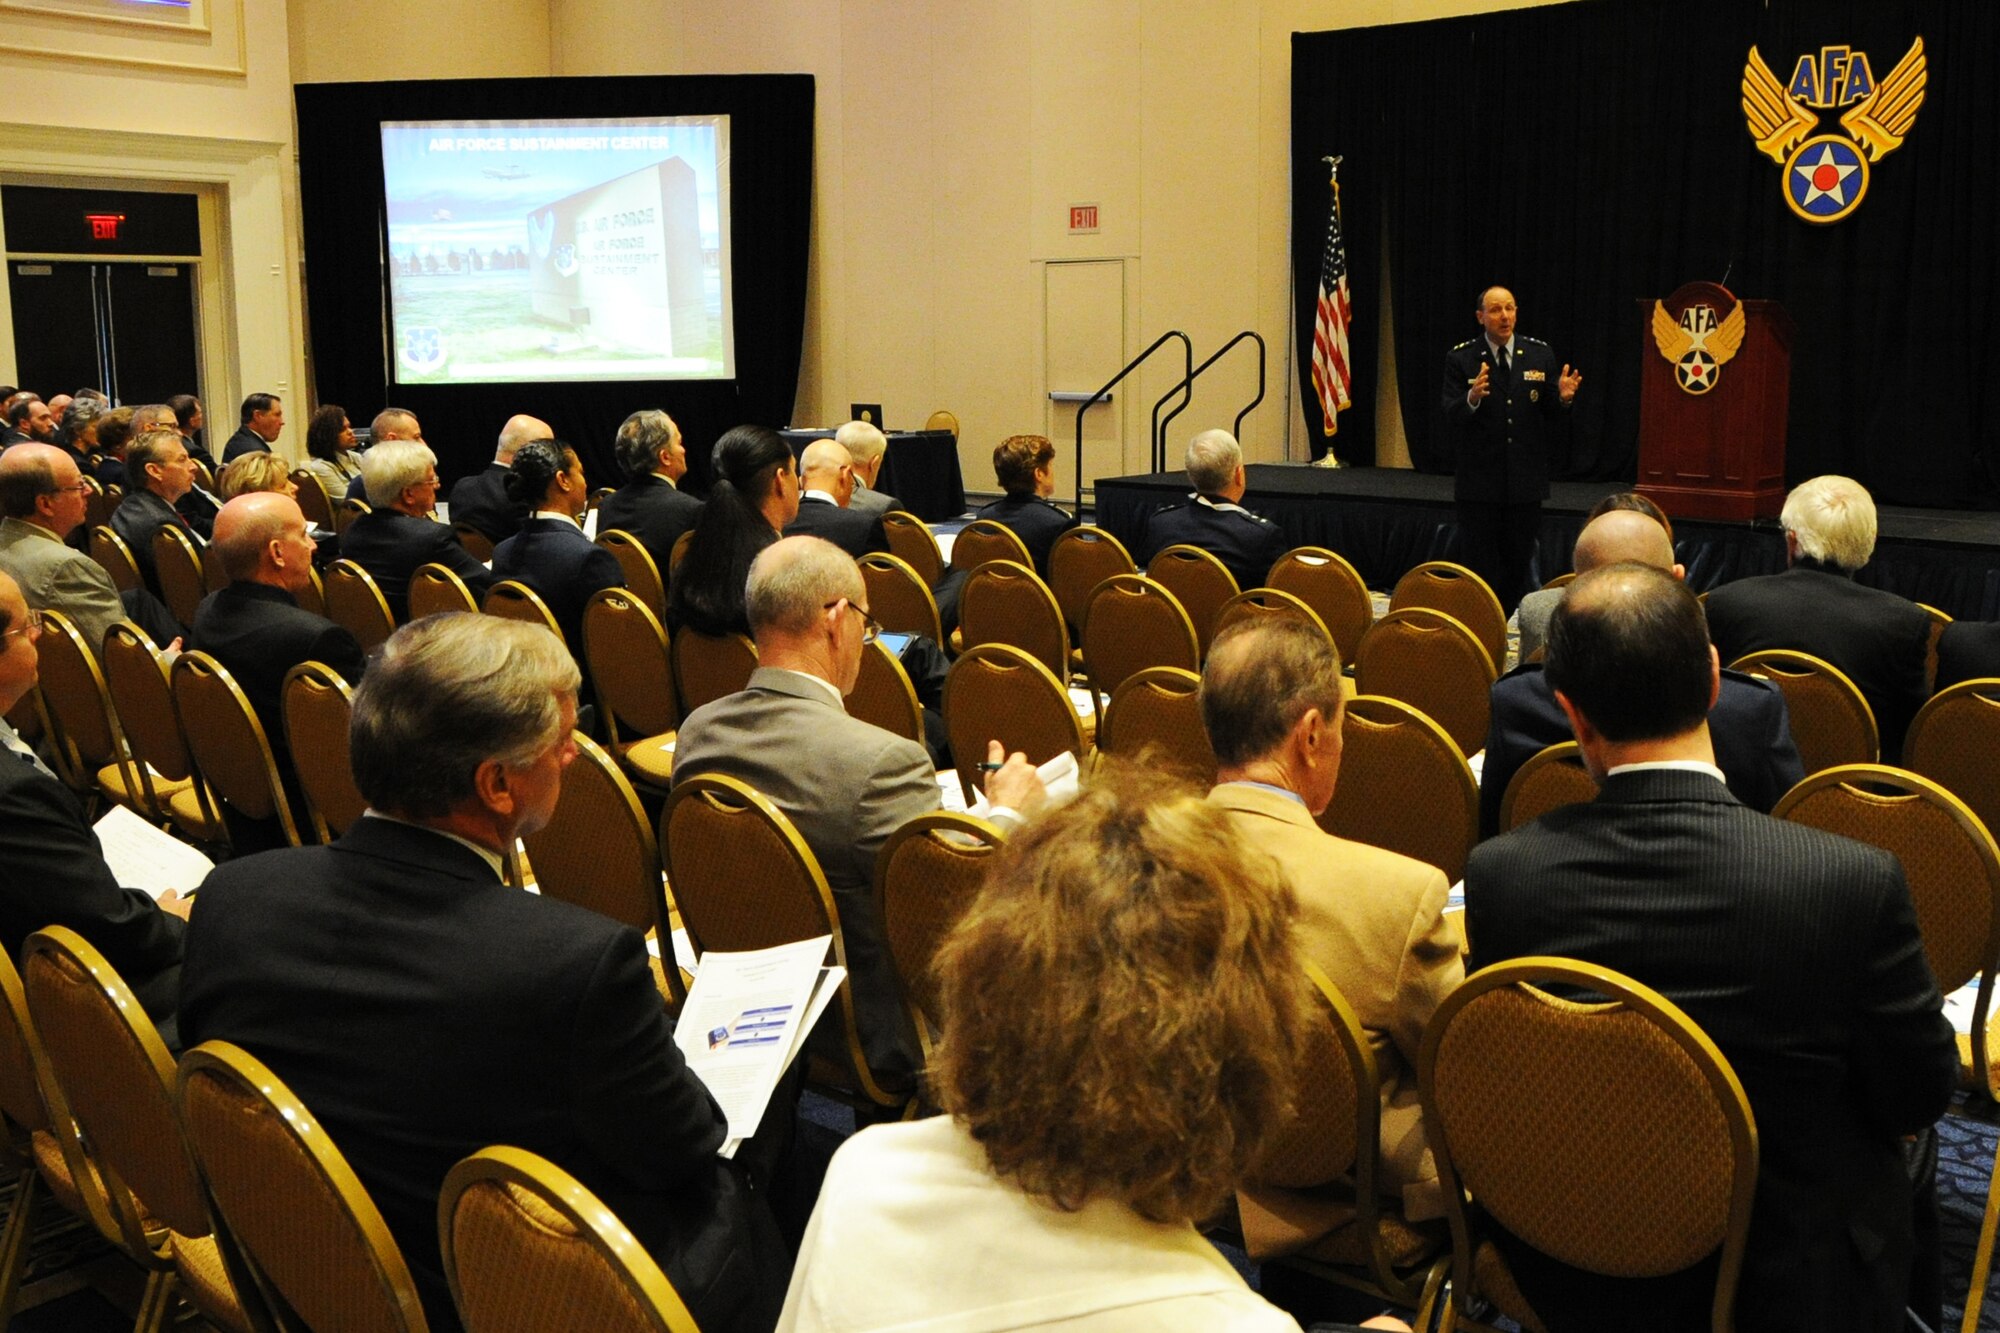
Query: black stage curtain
column 340, row 194
column 1590, row 156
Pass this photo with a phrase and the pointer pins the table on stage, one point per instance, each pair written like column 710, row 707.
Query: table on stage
column 920, row 469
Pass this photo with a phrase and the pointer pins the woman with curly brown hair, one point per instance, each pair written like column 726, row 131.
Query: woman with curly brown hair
column 1121, row 1006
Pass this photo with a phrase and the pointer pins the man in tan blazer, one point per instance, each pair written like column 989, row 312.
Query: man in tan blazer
column 1373, row 921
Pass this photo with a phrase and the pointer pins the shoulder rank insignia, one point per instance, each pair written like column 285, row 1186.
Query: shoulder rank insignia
column 1826, row 175
column 1697, row 343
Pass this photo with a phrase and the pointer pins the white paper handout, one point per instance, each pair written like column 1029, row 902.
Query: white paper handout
column 142, row 857
column 746, row 1019
column 1059, row 779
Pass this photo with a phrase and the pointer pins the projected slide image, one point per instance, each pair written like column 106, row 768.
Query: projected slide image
column 558, row 249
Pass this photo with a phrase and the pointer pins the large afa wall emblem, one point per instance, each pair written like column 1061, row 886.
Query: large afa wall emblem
column 1826, row 175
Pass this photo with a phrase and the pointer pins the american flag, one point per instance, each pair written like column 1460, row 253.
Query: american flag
column 1331, row 375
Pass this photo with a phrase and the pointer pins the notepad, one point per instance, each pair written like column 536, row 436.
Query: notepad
column 144, row 857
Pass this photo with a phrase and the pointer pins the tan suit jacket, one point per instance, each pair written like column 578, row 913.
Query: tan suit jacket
column 1374, row 922
column 55, row 578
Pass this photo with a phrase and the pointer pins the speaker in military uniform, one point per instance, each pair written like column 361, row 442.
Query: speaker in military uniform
column 1213, row 519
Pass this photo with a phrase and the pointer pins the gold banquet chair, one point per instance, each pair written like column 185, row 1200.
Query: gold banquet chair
column 1081, row 559
column 1202, row 585
column 476, row 543
column 345, row 511
column 898, row 598
column 435, row 590
column 1131, row 623
column 997, row 692
column 318, row 706
column 355, row 604
column 1552, row 778
column 528, row 1248
column 708, row 667
column 511, row 599
column 1403, row 786
column 912, row 542
column 97, row 503
column 925, row 876
column 1953, row 740
column 1939, row 620
column 1953, row 870
column 91, row 752
column 1612, row 1136
column 1455, row 590
column 228, row 743
column 1004, row 602
column 634, row 679
column 136, row 675
column 678, row 553
column 114, row 557
column 642, row 572
column 1331, row 1149
column 1265, row 604
column 883, row 695
column 1432, row 662
column 300, row 1221
column 942, row 420
column 721, row 838
column 116, row 1077
column 1326, row 582
column 982, row 540
column 1160, row 708
column 178, row 562
column 314, row 502
column 1831, row 723
column 598, row 851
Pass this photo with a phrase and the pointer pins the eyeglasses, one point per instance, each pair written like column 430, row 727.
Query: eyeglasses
column 870, row 630
column 81, row 488
column 31, row 626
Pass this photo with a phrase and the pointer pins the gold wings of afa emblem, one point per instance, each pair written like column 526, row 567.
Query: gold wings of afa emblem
column 1697, row 343
column 1826, row 175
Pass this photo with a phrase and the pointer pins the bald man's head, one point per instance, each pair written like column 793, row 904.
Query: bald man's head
column 823, row 459
column 518, row 431
column 260, row 537
column 1620, row 535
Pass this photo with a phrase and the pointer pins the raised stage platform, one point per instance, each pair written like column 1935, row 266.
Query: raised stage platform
column 1386, row 520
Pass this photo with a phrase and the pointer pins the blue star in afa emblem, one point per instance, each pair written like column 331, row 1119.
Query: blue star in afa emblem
column 1825, row 178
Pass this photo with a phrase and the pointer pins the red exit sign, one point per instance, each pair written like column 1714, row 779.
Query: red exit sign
column 104, row 226
column 1082, row 219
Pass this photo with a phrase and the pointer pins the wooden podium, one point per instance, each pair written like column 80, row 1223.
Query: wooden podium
column 1712, row 417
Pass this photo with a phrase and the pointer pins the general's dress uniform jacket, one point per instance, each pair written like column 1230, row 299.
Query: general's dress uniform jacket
column 1502, row 447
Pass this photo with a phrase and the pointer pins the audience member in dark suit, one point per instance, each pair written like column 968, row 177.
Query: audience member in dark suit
column 650, row 505
column 1968, row 650
column 263, row 420
column 111, row 434
column 1796, row 951
column 1026, row 468
column 372, row 976
column 1212, row 519
column 29, row 421
column 482, row 499
column 1749, row 724
column 550, row 553
column 157, row 473
column 1879, row 640
column 756, row 493
column 867, row 447
column 256, row 630
column 189, row 419
column 398, row 534
column 845, row 783
column 826, row 483
column 55, row 871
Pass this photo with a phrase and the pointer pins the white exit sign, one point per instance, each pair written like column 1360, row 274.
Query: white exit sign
column 1082, row 219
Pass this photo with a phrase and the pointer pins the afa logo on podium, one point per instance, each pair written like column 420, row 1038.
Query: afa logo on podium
column 1826, row 175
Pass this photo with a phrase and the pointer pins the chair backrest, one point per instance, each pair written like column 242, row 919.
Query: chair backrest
column 1199, row 582
column 1326, row 582
column 710, row 666
column 202, row 475
column 1081, row 559
column 1831, row 723
column 511, row 599
column 228, row 742
column 911, row 541
column 288, row 1199
column 1460, row 593
column 314, row 502
column 982, row 540
column 1551, row 779
column 998, row 692
column 312, row 596
column 526, row 1248
column 1431, row 661
column 1403, row 785
column 1952, row 741
column 629, row 666
column 898, row 597
column 884, row 696
column 1559, row 581
column 97, row 505
column 357, row 605
column 1131, row 623
column 1004, row 602
column 136, row 676
column 476, row 543
column 345, row 511
column 1160, row 707
column 213, row 576
column 679, row 553
column 925, row 876
column 111, row 553
column 435, row 589
column 79, row 704
column 318, row 706
column 22, row 1063
column 1256, row 604
column 722, row 839
column 178, row 564
column 1611, row 1136
column 1939, row 620
column 642, row 572
column 1336, row 1121
column 942, row 420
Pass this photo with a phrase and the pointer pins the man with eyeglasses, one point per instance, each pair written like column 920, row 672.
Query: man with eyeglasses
column 43, row 499
column 844, row 783
column 399, row 534
column 55, row 870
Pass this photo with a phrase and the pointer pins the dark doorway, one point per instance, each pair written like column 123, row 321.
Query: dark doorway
column 126, row 327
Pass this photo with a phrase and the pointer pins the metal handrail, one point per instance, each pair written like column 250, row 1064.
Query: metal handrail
column 1160, row 427
column 1187, row 368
